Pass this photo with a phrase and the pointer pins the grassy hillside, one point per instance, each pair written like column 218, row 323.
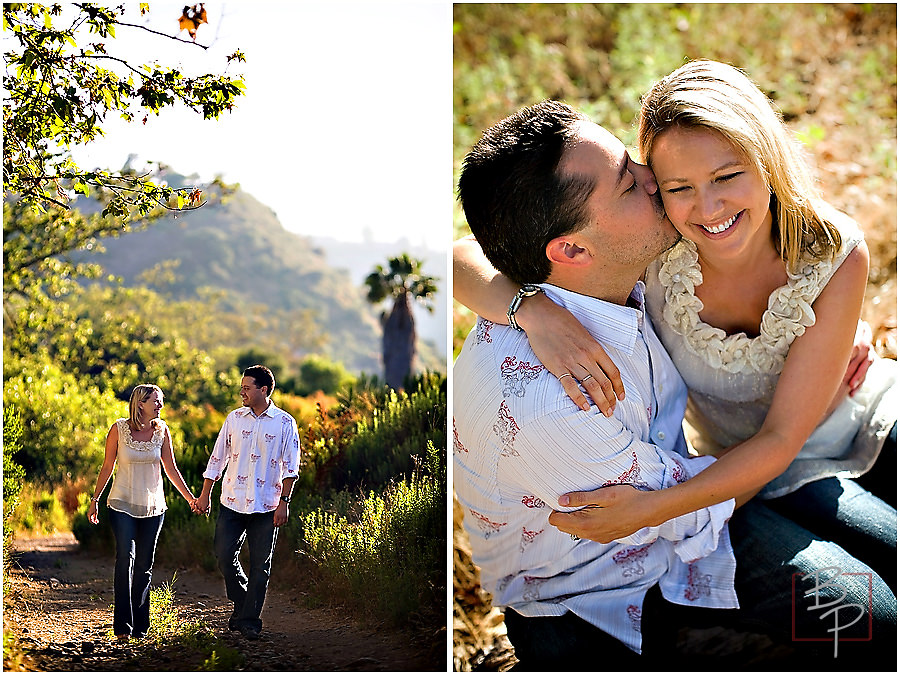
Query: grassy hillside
column 239, row 253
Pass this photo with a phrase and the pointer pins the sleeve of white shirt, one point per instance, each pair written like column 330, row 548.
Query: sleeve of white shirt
column 218, row 460
column 290, row 450
column 567, row 450
column 706, row 524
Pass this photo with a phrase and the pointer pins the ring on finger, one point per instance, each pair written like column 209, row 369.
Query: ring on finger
column 565, row 375
column 586, row 378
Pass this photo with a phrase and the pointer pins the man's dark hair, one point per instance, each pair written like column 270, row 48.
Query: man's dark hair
column 513, row 197
column 262, row 377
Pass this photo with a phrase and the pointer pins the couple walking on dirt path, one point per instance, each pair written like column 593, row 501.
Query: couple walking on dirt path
column 257, row 453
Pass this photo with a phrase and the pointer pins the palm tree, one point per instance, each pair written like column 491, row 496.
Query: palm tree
column 401, row 281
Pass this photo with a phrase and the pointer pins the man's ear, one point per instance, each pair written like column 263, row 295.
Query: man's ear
column 563, row 251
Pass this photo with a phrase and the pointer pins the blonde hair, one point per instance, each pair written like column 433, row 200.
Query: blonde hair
column 139, row 394
column 720, row 97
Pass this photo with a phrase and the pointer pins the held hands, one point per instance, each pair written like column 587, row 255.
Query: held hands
column 200, row 505
column 569, row 352
column 609, row 513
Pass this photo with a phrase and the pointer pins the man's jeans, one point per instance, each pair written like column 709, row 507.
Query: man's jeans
column 774, row 555
column 135, row 549
column 247, row 592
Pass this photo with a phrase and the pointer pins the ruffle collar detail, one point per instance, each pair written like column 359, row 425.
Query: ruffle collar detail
column 142, row 446
column 788, row 316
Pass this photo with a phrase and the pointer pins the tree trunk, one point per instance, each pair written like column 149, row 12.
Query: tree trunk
column 398, row 345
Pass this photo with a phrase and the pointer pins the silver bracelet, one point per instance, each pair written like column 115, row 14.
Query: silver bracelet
column 525, row 292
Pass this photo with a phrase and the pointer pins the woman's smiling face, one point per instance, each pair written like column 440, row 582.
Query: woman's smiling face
column 713, row 195
column 151, row 407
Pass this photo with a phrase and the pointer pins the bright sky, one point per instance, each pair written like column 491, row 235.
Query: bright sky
column 345, row 129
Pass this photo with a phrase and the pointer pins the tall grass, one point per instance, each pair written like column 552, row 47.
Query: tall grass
column 385, row 551
column 13, row 475
column 168, row 628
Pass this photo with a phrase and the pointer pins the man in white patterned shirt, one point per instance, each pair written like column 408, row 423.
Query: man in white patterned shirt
column 258, row 451
column 555, row 199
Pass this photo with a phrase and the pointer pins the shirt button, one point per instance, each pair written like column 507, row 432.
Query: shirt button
column 661, row 435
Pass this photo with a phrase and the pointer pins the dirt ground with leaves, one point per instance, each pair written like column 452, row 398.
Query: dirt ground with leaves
column 61, row 613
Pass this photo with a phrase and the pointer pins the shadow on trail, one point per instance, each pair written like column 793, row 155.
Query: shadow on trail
column 59, row 606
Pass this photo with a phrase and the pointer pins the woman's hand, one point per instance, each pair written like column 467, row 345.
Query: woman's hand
column 609, row 513
column 92, row 513
column 862, row 356
column 568, row 351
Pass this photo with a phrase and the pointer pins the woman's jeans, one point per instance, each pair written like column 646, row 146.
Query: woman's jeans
column 860, row 515
column 246, row 591
column 135, row 549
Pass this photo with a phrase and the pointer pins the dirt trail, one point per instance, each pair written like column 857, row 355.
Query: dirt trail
column 62, row 614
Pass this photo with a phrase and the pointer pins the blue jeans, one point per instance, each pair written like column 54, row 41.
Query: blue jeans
column 774, row 555
column 859, row 515
column 839, row 510
column 135, row 549
column 247, row 592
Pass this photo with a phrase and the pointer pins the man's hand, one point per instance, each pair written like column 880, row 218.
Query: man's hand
column 202, row 504
column 281, row 514
column 612, row 513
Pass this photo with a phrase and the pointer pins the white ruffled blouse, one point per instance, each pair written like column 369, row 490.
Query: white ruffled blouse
column 732, row 378
column 137, row 488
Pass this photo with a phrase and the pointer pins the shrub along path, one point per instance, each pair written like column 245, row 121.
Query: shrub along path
column 60, row 608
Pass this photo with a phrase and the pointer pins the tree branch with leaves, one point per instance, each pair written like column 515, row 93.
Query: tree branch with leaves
column 63, row 80
column 59, row 93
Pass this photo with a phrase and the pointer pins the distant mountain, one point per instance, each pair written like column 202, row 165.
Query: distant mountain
column 239, row 248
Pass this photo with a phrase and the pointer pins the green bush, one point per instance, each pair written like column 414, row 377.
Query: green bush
column 94, row 537
column 385, row 445
column 318, row 373
column 13, row 476
column 187, row 538
column 13, row 473
column 64, row 420
column 373, row 521
column 387, row 551
column 40, row 511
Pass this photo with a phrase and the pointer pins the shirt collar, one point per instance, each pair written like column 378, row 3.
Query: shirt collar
column 609, row 323
column 268, row 412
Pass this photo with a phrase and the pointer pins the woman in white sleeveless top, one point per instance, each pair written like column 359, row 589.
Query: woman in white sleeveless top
column 137, row 446
column 757, row 306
